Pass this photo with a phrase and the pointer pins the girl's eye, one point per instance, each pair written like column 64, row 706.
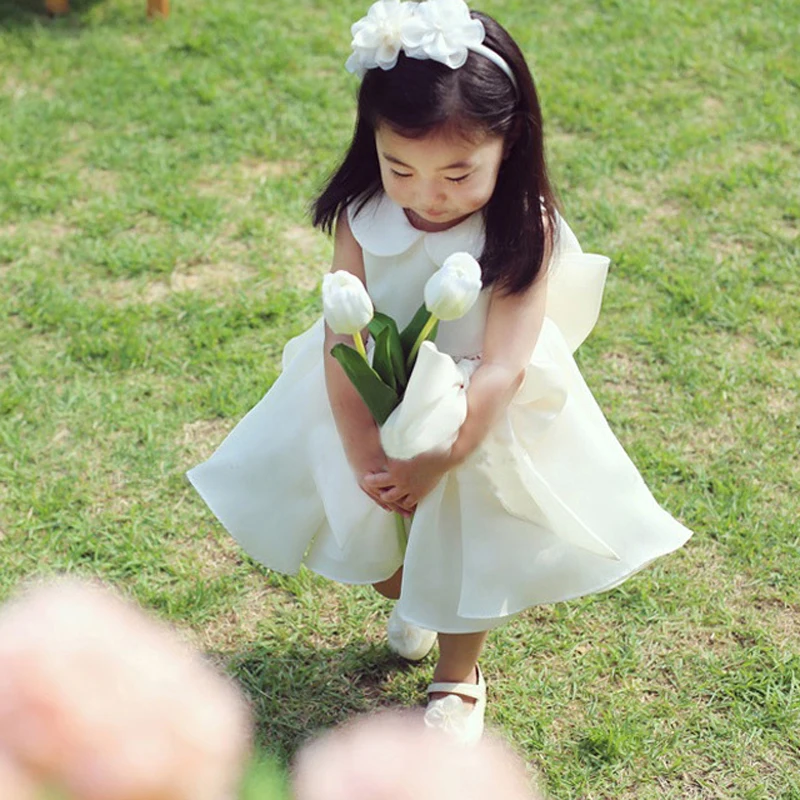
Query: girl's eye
column 459, row 179
column 400, row 174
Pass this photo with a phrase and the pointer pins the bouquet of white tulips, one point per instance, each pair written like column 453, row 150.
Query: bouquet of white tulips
column 415, row 393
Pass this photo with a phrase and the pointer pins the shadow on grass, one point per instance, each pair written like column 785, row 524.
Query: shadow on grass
column 298, row 691
column 26, row 13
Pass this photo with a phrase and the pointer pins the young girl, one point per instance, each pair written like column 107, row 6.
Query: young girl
column 536, row 501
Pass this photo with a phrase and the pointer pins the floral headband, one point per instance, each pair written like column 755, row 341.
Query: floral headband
column 441, row 30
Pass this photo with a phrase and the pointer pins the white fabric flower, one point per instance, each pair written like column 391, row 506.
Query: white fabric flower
column 452, row 290
column 377, row 38
column 447, row 713
column 433, row 408
column 346, row 305
column 442, row 30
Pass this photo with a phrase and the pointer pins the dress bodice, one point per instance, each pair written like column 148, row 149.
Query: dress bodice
column 399, row 259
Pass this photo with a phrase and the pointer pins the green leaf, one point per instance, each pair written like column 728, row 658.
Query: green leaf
column 380, row 399
column 382, row 359
column 378, row 322
column 388, row 359
column 414, row 328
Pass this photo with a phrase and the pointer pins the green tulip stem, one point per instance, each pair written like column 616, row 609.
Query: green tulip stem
column 400, row 525
column 359, row 343
column 423, row 335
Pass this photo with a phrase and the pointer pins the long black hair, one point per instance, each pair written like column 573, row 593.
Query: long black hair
column 417, row 97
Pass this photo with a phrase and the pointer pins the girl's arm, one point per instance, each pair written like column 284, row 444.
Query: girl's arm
column 357, row 429
column 512, row 330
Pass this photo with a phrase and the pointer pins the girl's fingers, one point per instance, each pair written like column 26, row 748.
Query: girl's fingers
column 406, row 503
column 374, row 497
column 378, row 480
column 379, row 487
column 392, row 495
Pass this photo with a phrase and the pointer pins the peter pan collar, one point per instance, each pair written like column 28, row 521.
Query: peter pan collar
column 382, row 229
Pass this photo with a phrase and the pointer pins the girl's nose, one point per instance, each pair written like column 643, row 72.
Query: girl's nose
column 432, row 193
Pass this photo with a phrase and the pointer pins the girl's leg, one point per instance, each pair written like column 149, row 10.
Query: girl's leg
column 391, row 586
column 458, row 658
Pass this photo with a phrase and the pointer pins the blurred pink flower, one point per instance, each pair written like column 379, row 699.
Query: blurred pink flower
column 98, row 698
column 392, row 756
column 15, row 784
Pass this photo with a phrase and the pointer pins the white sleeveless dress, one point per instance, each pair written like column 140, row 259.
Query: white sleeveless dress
column 549, row 507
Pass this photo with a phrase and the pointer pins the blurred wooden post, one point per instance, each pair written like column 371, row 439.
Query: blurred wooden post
column 157, row 8
column 57, row 6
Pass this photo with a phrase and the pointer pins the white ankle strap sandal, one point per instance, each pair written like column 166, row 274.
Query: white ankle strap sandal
column 450, row 714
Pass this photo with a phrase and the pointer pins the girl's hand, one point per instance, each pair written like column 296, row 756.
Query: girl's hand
column 366, row 464
column 374, row 494
column 405, row 483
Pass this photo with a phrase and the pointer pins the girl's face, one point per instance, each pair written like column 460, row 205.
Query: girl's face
column 438, row 179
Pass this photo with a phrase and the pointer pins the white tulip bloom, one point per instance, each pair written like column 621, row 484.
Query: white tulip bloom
column 346, row 304
column 452, row 290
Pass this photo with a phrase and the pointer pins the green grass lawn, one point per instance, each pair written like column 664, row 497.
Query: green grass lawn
column 155, row 254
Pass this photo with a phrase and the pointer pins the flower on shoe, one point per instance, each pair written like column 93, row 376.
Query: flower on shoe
column 346, row 305
column 405, row 635
column 378, row 37
column 452, row 290
column 442, row 30
column 448, row 713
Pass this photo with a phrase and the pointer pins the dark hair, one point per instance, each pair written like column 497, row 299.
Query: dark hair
column 417, row 97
